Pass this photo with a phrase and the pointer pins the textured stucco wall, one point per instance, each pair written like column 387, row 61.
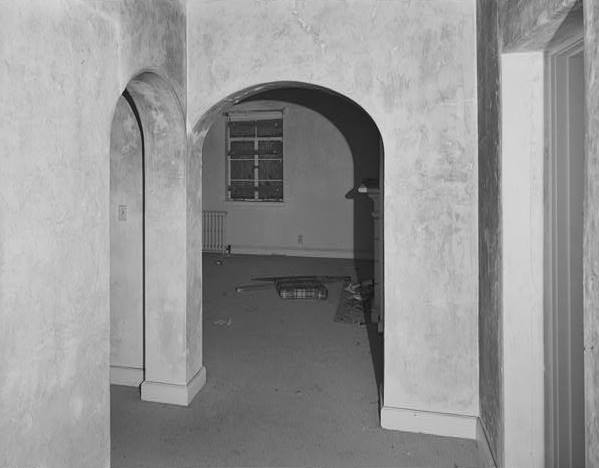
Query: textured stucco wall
column 489, row 229
column 318, row 172
column 165, row 229
column 65, row 65
column 126, row 248
column 591, row 233
column 411, row 66
column 530, row 24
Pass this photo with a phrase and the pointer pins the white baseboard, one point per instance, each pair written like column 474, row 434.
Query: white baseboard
column 174, row 394
column 429, row 422
column 129, row 376
column 301, row 252
column 484, row 448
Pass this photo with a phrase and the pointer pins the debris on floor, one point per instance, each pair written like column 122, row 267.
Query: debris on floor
column 253, row 287
column 226, row 253
column 220, row 323
column 302, row 289
column 295, row 287
column 354, row 302
column 321, row 278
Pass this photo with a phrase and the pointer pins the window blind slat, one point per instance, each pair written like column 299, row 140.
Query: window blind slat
column 241, row 148
column 242, row 169
column 270, row 169
column 242, row 190
column 269, row 128
column 270, row 190
column 272, row 147
column 242, row 129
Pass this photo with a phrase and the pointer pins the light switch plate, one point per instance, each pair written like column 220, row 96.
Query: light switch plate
column 122, row 212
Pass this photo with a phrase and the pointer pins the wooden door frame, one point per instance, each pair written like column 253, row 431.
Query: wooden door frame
column 565, row 50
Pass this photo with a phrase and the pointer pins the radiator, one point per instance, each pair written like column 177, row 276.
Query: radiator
column 214, row 231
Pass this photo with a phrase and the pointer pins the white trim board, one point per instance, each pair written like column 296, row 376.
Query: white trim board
column 301, row 252
column 174, row 394
column 128, row 376
column 429, row 422
column 522, row 235
column 563, row 256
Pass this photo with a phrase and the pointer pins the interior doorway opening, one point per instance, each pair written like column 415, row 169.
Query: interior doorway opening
column 316, row 196
column 564, row 185
column 542, row 214
column 126, row 245
column 148, row 243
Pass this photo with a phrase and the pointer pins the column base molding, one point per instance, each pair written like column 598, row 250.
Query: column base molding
column 173, row 394
column 441, row 424
column 429, row 422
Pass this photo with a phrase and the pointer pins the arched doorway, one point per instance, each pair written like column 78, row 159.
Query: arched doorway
column 152, row 264
column 284, row 225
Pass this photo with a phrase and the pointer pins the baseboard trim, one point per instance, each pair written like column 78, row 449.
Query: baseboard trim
column 173, row 394
column 429, row 422
column 484, row 448
column 128, row 376
column 301, row 252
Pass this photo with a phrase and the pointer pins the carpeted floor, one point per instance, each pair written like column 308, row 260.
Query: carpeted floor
column 287, row 387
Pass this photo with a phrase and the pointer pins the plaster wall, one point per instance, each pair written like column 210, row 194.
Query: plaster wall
column 522, row 188
column 411, row 66
column 318, row 173
column 65, row 65
column 591, row 233
column 165, row 240
column 489, row 228
column 172, row 357
column 530, row 24
column 126, row 246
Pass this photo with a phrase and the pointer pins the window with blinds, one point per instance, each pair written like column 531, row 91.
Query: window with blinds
column 255, row 156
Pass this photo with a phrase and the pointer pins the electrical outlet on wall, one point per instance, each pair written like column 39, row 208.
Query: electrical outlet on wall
column 122, row 212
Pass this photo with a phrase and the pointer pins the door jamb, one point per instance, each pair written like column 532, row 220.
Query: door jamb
column 566, row 50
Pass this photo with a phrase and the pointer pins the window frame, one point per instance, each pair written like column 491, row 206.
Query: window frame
column 254, row 116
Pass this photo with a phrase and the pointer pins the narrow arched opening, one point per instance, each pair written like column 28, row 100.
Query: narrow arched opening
column 150, row 263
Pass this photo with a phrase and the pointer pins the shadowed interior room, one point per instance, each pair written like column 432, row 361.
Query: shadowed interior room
column 280, row 233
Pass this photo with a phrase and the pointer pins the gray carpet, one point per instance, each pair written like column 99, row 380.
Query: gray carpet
column 287, row 386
